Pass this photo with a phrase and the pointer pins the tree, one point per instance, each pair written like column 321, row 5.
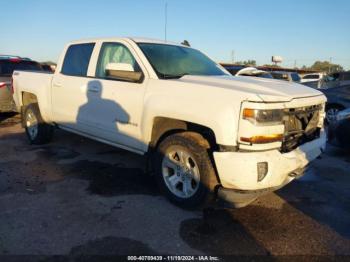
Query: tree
column 325, row 66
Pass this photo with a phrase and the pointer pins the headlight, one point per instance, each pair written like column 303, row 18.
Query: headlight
column 268, row 116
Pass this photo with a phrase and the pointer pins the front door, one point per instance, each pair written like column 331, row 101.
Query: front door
column 116, row 105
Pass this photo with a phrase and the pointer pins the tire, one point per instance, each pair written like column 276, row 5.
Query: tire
column 38, row 132
column 331, row 112
column 184, row 171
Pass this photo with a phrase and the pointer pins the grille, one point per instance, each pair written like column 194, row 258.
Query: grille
column 301, row 126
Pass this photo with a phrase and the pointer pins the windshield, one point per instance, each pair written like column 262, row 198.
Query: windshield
column 171, row 61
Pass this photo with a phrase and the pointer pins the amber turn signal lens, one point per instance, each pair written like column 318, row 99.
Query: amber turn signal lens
column 263, row 139
column 248, row 113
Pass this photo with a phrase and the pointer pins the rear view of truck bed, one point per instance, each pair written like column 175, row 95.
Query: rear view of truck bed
column 32, row 82
column 8, row 64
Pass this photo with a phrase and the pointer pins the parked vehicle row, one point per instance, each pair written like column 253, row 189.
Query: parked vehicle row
column 314, row 80
column 338, row 79
column 252, row 71
column 206, row 132
column 287, row 76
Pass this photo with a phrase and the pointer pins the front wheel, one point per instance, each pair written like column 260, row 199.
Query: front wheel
column 38, row 132
column 184, row 171
column 331, row 113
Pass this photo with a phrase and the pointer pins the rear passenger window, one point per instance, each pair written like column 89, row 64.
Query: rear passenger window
column 76, row 61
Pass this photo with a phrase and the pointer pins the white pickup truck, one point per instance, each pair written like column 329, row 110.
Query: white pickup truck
column 208, row 133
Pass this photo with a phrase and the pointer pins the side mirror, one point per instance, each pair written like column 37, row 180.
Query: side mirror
column 123, row 71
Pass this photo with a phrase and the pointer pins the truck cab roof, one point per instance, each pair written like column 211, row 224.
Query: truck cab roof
column 134, row 39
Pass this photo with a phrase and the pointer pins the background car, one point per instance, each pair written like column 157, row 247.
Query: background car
column 338, row 98
column 287, row 76
column 311, row 77
column 336, row 80
column 339, row 129
column 7, row 65
column 313, row 80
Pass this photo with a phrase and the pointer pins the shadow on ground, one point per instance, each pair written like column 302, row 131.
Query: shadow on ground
column 219, row 233
column 325, row 198
column 107, row 249
column 112, row 180
column 268, row 226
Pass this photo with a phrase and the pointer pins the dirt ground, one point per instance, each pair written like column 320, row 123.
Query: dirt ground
column 75, row 196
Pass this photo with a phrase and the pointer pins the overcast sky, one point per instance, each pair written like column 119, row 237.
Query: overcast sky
column 299, row 31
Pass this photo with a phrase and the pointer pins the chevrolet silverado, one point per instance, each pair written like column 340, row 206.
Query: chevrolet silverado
column 207, row 134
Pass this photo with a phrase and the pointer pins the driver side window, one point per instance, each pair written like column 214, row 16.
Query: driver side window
column 114, row 53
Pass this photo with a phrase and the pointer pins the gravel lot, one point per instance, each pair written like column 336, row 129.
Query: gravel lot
column 80, row 197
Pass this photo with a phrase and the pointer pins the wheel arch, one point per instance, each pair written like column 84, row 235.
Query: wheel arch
column 163, row 127
column 28, row 98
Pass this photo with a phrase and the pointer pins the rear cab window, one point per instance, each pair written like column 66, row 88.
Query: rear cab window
column 77, row 59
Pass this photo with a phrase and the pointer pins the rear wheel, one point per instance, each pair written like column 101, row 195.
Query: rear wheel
column 184, row 171
column 38, row 132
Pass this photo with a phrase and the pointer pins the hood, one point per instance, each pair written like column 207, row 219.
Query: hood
column 268, row 90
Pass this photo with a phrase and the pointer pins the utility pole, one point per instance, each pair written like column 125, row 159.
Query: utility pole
column 233, row 56
column 166, row 20
column 295, row 63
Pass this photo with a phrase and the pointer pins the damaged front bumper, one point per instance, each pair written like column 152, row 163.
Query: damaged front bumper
column 238, row 171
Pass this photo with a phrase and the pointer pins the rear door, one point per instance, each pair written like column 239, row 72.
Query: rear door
column 69, row 86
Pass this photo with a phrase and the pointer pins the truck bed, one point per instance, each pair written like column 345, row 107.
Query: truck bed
column 37, row 83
